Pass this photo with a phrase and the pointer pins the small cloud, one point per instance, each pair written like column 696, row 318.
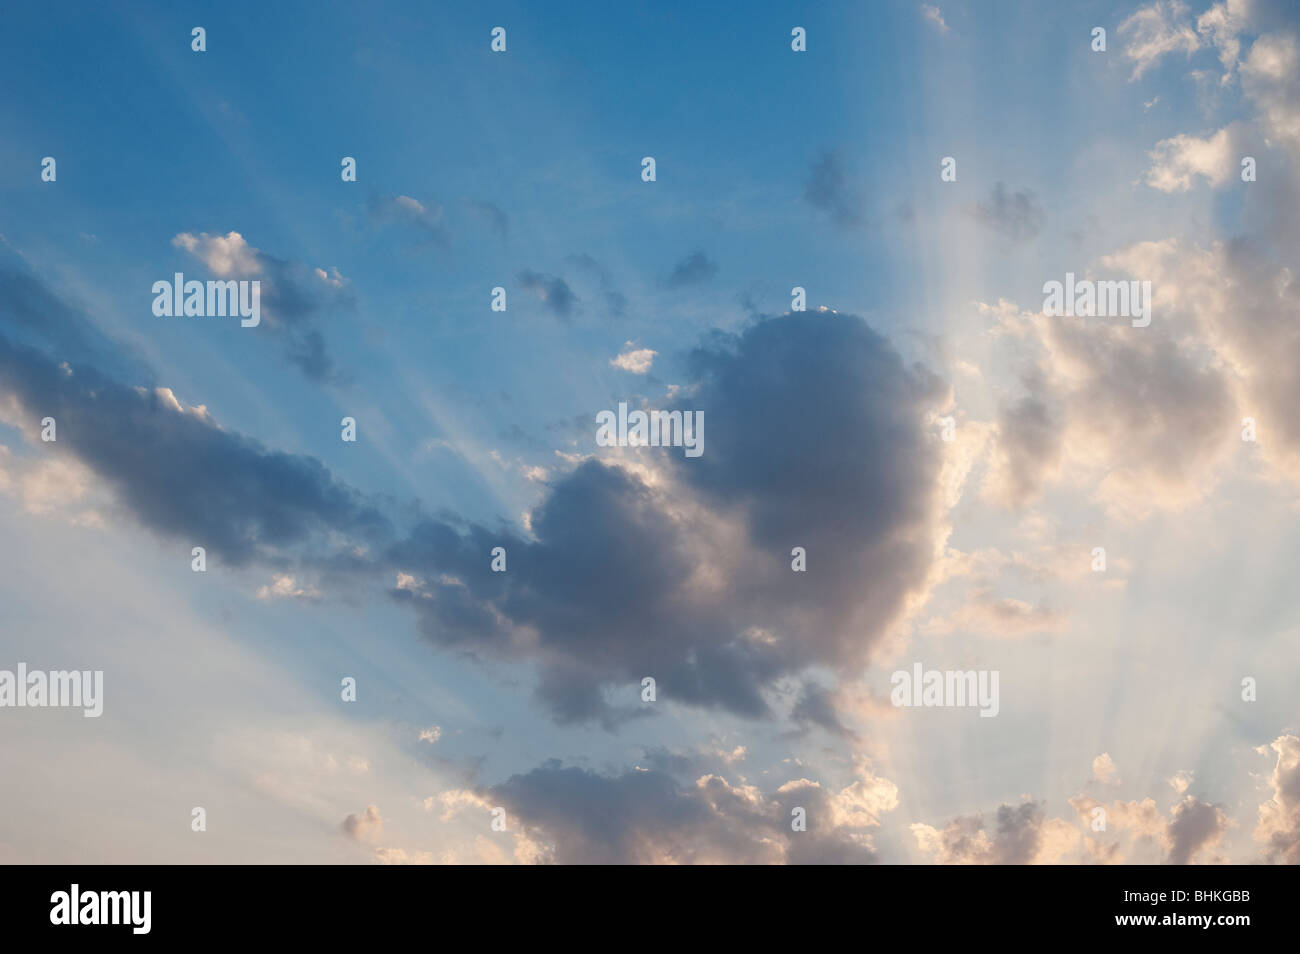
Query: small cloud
column 552, row 290
column 1105, row 770
column 431, row 734
column 285, row 586
column 363, row 826
column 695, row 269
column 1175, row 162
column 1163, row 27
column 1180, row 782
column 635, row 360
column 226, row 256
column 405, row 210
column 935, row 16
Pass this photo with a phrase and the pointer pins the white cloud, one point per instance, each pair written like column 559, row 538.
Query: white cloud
column 1105, row 770
column 935, row 16
column 1175, row 162
column 224, row 255
column 636, row 360
column 1163, row 27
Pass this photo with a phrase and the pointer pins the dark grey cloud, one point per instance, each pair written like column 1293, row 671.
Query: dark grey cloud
column 828, row 190
column 553, row 291
column 648, row 815
column 815, row 436
column 694, row 269
column 1194, row 825
column 1017, row 216
column 180, row 474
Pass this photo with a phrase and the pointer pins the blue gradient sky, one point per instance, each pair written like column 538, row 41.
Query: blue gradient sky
column 221, row 695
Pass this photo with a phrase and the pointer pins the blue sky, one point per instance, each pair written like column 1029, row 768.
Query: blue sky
column 775, row 169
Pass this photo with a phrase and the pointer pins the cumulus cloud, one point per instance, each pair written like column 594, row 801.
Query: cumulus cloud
column 647, row 815
column 716, row 615
column 1175, row 162
column 294, row 297
column 1086, row 380
column 1191, row 833
column 1195, row 827
column 1023, row 835
column 1279, row 817
column 633, row 359
column 177, row 471
column 1105, row 770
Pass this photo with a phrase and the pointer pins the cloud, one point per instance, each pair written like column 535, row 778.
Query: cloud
column 1105, row 770
column 1279, row 816
column 715, row 613
column 1194, row 827
column 695, row 269
column 647, row 815
column 1175, row 162
column 635, row 360
column 828, row 190
column 935, row 16
column 1017, row 216
column 1084, row 379
column 294, row 297
column 364, row 826
column 554, row 292
column 286, row 586
column 1153, row 31
column 177, row 471
column 35, row 316
column 410, row 212
column 1024, row 835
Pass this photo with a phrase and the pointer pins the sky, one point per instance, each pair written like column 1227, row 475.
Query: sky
column 840, row 265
